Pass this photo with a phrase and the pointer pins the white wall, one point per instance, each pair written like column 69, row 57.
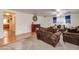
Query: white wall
column 49, row 21
column 24, row 21
column 75, row 20
column 1, row 23
column 61, row 20
column 1, row 26
column 41, row 20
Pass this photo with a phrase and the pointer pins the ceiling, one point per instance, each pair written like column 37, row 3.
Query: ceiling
column 47, row 12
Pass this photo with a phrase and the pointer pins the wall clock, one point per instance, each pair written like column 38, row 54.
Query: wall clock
column 35, row 18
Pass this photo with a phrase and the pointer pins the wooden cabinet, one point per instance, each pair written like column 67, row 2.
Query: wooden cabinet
column 34, row 27
column 5, row 26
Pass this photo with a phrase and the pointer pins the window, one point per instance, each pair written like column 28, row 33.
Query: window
column 54, row 19
column 68, row 19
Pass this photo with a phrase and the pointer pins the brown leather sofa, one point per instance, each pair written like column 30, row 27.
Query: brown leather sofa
column 72, row 36
column 48, row 36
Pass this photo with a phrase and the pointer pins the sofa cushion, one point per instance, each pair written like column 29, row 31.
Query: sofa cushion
column 42, row 29
column 48, row 36
column 50, row 29
column 55, row 38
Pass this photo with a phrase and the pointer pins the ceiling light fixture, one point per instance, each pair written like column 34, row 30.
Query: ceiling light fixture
column 58, row 12
column 7, row 13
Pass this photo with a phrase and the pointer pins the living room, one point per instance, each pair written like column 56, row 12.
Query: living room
column 39, row 29
column 46, row 18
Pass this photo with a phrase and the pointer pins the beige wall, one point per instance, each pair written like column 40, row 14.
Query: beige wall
column 61, row 20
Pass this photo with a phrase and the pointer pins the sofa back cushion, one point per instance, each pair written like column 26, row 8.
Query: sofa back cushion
column 42, row 29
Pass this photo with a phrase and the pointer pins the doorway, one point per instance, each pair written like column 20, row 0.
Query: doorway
column 9, row 27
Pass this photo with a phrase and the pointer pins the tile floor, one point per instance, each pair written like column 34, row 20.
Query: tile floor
column 33, row 43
